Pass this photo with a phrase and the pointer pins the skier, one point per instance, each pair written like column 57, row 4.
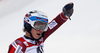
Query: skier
column 37, row 30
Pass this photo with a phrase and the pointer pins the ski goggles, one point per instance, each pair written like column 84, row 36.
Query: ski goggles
column 36, row 24
column 39, row 25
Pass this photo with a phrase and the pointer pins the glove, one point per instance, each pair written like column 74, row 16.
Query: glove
column 68, row 10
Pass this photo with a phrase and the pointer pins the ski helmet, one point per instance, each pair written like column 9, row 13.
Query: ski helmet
column 37, row 20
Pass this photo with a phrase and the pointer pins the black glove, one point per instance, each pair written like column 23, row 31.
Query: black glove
column 68, row 10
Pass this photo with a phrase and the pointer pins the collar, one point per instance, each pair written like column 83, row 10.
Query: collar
column 31, row 40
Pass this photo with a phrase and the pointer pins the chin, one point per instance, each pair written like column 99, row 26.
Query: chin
column 37, row 38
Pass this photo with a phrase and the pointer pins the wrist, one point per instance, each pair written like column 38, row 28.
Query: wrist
column 63, row 16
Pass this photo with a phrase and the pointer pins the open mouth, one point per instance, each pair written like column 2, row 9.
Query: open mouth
column 38, row 34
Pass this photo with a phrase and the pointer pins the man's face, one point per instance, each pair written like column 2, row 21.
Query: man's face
column 36, row 33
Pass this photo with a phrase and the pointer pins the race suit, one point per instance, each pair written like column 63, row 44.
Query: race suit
column 26, row 45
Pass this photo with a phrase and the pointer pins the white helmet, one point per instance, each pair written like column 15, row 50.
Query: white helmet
column 36, row 19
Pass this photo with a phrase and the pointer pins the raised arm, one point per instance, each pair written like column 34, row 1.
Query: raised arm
column 59, row 20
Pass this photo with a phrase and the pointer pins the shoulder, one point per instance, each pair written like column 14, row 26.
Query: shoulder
column 20, row 40
column 17, row 46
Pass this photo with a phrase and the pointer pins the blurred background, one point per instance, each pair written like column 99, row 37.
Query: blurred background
column 80, row 35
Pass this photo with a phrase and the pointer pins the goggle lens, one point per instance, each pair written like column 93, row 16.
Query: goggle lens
column 40, row 25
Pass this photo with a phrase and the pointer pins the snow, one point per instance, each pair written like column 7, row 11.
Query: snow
column 80, row 35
